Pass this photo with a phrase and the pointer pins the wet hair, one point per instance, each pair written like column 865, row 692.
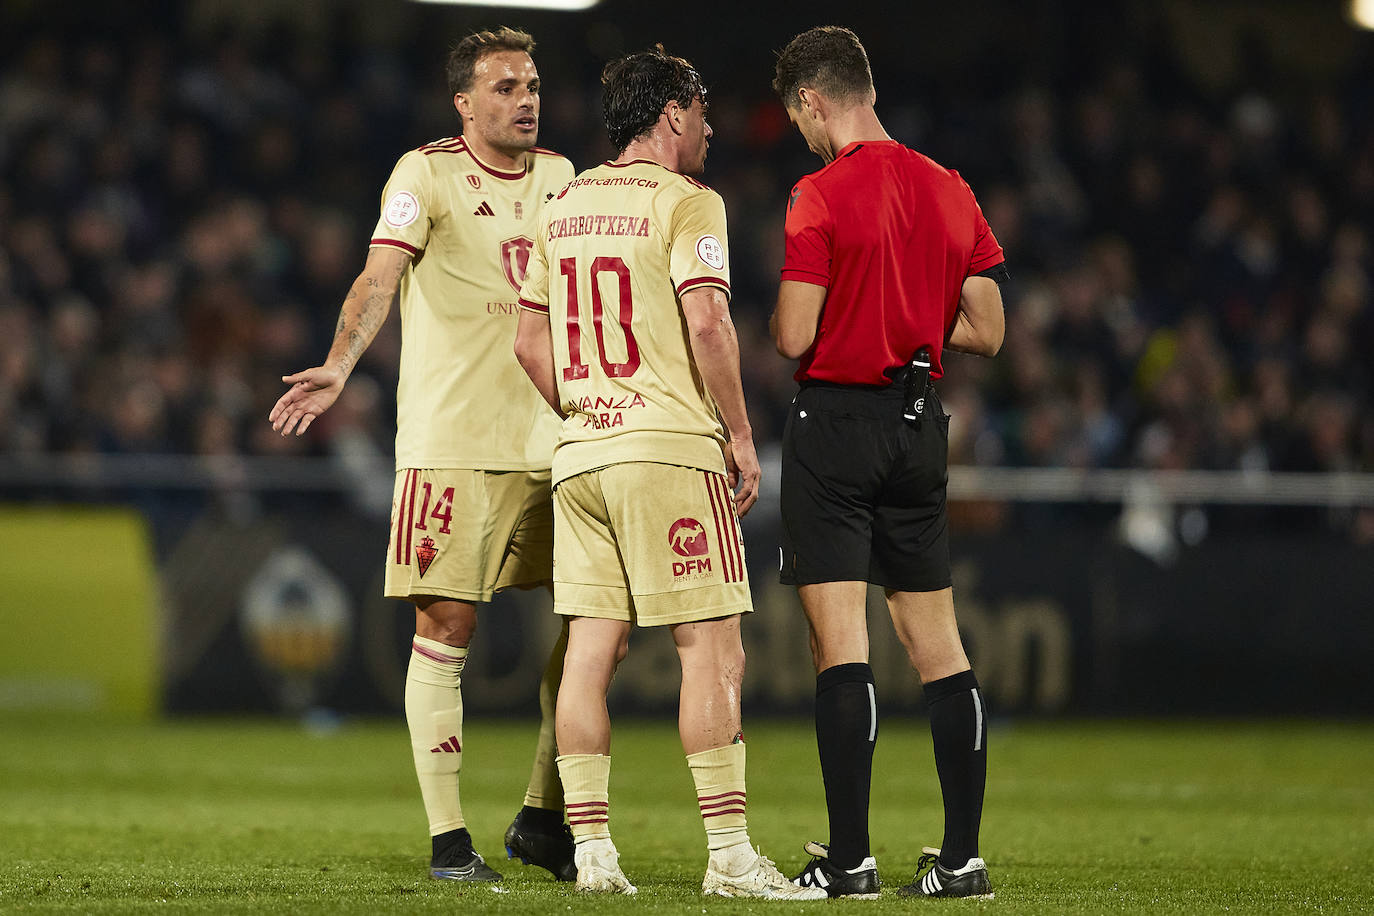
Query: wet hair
column 829, row 59
column 462, row 60
column 636, row 87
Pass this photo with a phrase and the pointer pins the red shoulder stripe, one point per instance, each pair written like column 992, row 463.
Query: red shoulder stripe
column 455, row 146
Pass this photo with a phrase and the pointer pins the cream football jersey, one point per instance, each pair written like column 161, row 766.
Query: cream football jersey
column 463, row 401
column 614, row 251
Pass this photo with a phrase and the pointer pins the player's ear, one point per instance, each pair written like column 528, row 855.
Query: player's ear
column 675, row 115
column 463, row 105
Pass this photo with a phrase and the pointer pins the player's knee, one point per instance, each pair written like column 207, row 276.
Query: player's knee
column 817, row 658
column 457, row 633
column 936, row 662
column 913, row 650
column 450, row 622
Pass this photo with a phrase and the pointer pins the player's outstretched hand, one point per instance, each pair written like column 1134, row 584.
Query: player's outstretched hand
column 742, row 470
column 312, row 392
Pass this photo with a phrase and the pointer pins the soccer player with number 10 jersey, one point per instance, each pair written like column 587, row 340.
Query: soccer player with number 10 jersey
column 626, row 332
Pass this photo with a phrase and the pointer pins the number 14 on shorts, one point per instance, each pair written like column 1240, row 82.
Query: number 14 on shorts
column 420, row 506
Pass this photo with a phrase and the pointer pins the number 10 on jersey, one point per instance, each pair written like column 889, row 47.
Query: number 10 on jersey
column 576, row 368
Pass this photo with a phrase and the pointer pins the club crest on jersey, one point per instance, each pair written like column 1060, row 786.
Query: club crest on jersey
column 711, row 252
column 687, row 538
column 475, row 180
column 425, row 554
column 515, row 257
column 401, row 210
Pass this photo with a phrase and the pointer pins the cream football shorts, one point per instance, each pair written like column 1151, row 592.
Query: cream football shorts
column 468, row 534
column 649, row 543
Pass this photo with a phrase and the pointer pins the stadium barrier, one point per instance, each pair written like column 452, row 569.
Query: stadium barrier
column 79, row 612
column 1102, row 592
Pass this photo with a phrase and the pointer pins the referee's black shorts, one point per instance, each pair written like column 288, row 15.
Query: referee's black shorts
column 863, row 491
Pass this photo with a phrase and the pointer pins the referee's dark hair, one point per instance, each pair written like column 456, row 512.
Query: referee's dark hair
column 636, row 87
column 828, row 58
column 462, row 60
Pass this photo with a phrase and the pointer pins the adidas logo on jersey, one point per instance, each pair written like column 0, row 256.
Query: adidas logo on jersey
column 484, row 210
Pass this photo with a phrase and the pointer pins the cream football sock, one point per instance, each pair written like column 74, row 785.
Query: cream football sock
column 434, row 712
column 719, row 777
column 586, row 786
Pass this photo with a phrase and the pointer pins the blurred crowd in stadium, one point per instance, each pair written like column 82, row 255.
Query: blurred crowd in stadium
column 1191, row 268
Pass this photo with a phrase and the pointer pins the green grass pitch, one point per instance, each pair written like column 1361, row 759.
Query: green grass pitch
column 1090, row 817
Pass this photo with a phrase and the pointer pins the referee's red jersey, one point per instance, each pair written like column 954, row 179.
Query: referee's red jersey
column 892, row 235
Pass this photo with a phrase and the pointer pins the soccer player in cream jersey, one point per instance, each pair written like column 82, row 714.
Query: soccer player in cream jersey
column 471, row 513
column 626, row 331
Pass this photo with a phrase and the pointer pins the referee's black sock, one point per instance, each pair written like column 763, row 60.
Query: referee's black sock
column 846, row 732
column 958, row 725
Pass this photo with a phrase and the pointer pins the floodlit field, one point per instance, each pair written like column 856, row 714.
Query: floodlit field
column 216, row 816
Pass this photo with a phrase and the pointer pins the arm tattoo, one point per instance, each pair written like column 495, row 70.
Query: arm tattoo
column 356, row 345
column 373, row 312
column 361, row 325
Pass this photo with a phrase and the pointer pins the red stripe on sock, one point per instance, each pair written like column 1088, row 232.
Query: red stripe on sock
column 706, row 798
column 719, row 813
column 733, row 803
column 436, row 656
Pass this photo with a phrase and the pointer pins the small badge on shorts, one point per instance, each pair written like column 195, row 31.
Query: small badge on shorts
column 425, row 554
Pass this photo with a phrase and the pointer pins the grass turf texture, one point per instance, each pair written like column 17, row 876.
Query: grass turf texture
column 1081, row 818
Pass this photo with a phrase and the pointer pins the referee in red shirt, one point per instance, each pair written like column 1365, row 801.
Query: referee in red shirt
column 889, row 263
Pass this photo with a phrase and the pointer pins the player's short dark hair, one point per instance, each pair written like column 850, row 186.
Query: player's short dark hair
column 828, row 58
column 462, row 60
column 636, row 87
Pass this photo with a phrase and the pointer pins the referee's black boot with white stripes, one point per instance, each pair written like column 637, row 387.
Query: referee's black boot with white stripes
column 858, row 883
column 969, row 881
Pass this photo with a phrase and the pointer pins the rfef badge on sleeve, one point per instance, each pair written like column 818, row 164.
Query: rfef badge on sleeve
column 711, row 252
